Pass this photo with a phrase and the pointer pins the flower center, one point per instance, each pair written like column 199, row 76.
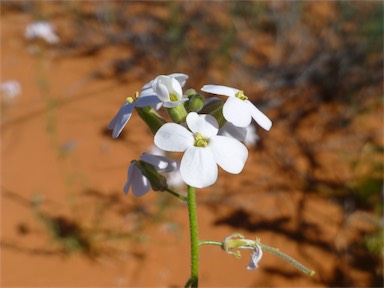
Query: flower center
column 200, row 141
column 173, row 97
column 241, row 95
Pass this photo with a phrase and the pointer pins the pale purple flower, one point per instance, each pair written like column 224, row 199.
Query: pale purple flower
column 256, row 255
column 136, row 181
column 238, row 109
column 203, row 148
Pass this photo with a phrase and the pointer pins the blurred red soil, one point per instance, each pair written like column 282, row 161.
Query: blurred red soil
column 60, row 167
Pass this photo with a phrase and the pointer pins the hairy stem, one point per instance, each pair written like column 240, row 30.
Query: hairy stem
column 194, row 280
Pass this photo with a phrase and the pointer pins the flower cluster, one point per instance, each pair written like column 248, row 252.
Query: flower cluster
column 210, row 132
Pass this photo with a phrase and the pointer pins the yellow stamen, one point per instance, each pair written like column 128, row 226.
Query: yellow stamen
column 241, row 96
column 200, row 141
column 130, row 100
column 173, row 97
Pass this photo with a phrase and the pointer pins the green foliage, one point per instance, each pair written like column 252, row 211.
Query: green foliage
column 369, row 170
column 374, row 242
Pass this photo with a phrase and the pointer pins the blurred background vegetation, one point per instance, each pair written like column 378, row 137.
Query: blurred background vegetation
column 315, row 67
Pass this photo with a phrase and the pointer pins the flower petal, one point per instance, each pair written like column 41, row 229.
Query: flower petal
column 198, row 167
column 147, row 85
column 161, row 163
column 172, row 104
column 154, row 150
column 174, row 87
column 239, row 133
column 140, row 184
column 160, row 88
column 121, row 118
column 204, row 124
column 147, row 100
column 255, row 258
column 229, row 153
column 173, row 137
column 180, row 77
column 252, row 137
column 237, row 112
column 220, row 90
column 259, row 116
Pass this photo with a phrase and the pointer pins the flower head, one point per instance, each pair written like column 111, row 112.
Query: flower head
column 43, row 30
column 238, row 109
column 10, row 89
column 237, row 241
column 203, row 148
column 169, row 91
column 139, row 181
column 147, row 97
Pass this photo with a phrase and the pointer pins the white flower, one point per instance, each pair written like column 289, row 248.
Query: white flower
column 169, row 91
column 125, row 112
column 138, row 182
column 147, row 97
column 43, row 30
column 238, row 109
column 203, row 148
column 256, row 255
column 10, row 89
column 180, row 77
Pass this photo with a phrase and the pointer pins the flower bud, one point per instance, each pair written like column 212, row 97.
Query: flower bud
column 190, row 92
column 158, row 181
column 195, row 103
column 151, row 118
column 178, row 113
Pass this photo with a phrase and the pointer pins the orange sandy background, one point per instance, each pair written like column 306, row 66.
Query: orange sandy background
column 312, row 186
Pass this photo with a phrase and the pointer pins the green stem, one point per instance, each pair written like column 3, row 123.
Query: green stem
column 177, row 195
column 210, row 242
column 194, row 280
